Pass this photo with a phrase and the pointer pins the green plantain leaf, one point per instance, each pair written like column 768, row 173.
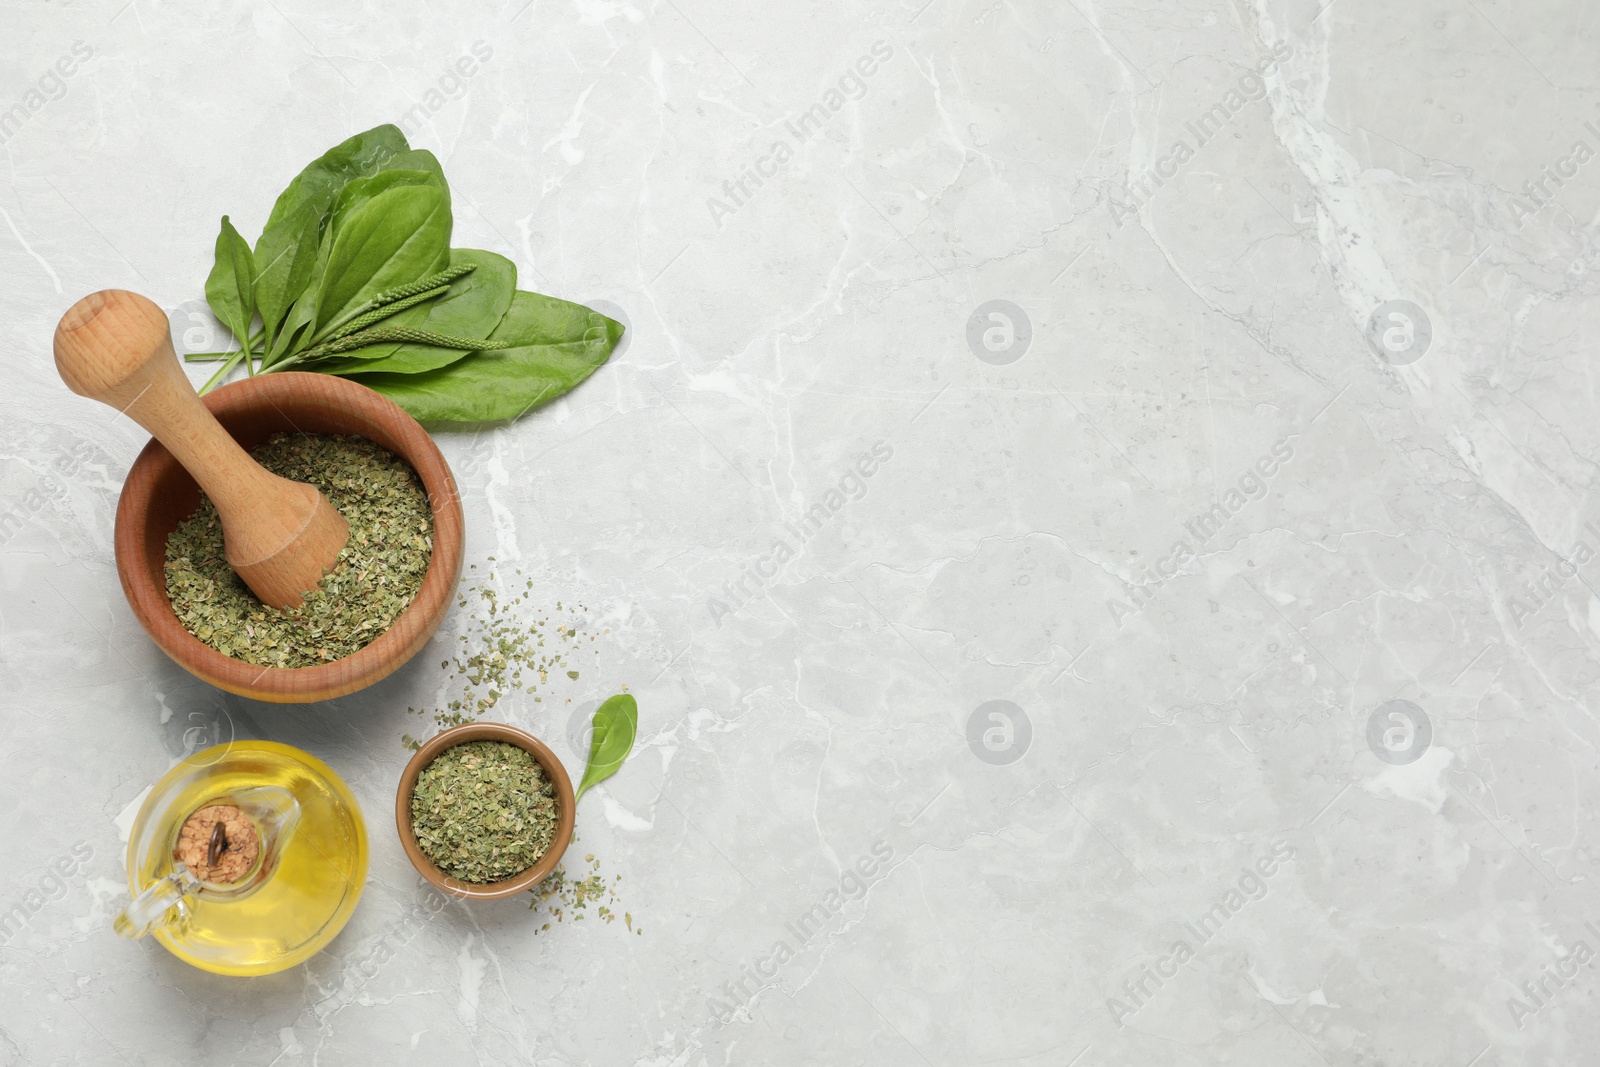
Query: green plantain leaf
column 417, row 159
column 231, row 285
column 287, row 255
column 358, row 191
column 294, row 333
column 367, row 224
column 396, row 237
column 556, row 345
column 616, row 722
column 472, row 307
column 286, row 252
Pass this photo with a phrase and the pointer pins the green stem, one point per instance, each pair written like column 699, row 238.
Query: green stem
column 283, row 364
column 271, row 356
column 212, row 357
column 222, row 373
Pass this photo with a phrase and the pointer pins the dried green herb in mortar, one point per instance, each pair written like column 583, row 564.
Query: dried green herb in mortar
column 483, row 811
column 377, row 575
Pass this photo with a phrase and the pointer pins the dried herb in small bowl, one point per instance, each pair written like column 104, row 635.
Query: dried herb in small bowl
column 377, row 575
column 483, row 811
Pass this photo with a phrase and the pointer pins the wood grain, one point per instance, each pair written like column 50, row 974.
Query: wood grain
column 281, row 536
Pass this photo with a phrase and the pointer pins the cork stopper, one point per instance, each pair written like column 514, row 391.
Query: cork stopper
column 218, row 844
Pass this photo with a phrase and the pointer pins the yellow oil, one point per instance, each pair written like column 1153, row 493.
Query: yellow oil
column 321, row 868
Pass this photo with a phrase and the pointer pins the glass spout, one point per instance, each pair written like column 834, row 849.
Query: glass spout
column 152, row 907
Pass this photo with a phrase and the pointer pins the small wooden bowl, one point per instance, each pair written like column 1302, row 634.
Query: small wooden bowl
column 553, row 771
column 159, row 494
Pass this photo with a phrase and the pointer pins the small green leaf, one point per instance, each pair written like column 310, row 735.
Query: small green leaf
column 230, row 289
column 615, row 724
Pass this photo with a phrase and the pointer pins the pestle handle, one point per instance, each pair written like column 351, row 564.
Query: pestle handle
column 281, row 536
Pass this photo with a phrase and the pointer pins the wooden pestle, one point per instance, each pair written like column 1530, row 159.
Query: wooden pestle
column 280, row 536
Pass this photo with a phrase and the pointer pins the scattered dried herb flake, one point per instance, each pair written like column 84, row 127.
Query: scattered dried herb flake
column 569, row 896
column 505, row 650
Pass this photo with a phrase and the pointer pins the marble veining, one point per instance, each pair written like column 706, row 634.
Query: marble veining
column 1096, row 504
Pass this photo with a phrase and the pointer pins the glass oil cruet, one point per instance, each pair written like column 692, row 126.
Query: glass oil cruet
column 245, row 859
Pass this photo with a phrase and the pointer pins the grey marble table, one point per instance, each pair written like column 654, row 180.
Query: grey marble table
column 1097, row 505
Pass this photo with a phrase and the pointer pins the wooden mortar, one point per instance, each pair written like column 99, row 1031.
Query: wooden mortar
column 159, row 493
